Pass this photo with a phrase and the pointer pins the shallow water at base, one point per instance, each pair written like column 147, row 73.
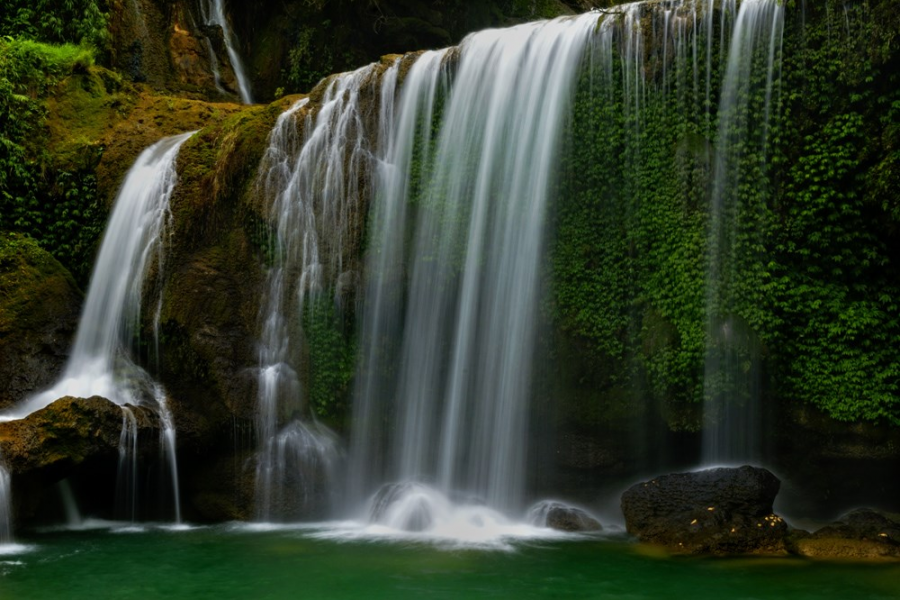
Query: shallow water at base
column 238, row 561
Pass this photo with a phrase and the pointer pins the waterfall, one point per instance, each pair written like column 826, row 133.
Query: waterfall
column 100, row 362
column 311, row 189
column 462, row 221
column 732, row 412
column 214, row 15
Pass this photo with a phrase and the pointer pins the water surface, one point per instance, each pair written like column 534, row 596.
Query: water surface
column 225, row 562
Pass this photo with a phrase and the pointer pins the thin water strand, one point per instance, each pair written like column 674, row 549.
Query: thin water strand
column 215, row 15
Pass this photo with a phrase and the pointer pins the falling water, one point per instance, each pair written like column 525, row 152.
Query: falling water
column 214, row 14
column 127, row 476
column 311, row 187
column 731, row 380
column 100, row 362
column 5, row 506
column 70, row 505
column 472, row 200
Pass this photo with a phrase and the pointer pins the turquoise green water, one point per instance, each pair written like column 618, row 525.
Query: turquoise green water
column 224, row 562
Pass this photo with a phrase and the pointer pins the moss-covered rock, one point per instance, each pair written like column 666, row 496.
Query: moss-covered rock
column 862, row 534
column 73, row 437
column 39, row 308
column 58, row 438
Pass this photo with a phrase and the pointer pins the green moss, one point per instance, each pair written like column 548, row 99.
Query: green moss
column 30, row 280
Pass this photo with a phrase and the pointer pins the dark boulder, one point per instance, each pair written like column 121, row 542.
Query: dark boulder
column 716, row 511
column 562, row 517
column 407, row 506
column 861, row 534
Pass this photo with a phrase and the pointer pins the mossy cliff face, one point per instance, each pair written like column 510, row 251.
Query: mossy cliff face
column 39, row 308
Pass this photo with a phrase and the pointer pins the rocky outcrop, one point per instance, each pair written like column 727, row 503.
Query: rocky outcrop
column 861, row 534
column 39, row 308
column 716, row 511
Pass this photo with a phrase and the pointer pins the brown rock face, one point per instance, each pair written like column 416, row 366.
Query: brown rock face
column 717, row 511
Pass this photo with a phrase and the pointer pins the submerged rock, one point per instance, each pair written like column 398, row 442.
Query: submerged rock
column 861, row 534
column 716, row 511
column 562, row 517
column 407, row 506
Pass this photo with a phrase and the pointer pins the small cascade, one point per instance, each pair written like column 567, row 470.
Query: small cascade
column 461, row 219
column 70, row 505
column 5, row 506
column 100, row 363
column 214, row 15
column 168, row 447
column 127, row 476
column 311, row 188
column 732, row 413
column 299, row 472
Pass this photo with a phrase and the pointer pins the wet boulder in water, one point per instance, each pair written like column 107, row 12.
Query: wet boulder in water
column 407, row 506
column 716, row 511
column 562, row 517
column 861, row 534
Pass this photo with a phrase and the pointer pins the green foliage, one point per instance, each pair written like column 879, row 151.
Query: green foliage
column 57, row 207
column 332, row 357
column 56, row 21
column 802, row 304
column 311, row 57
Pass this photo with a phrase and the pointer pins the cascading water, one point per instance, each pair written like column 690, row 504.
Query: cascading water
column 214, row 15
column 100, row 364
column 732, row 428
column 311, row 189
column 467, row 207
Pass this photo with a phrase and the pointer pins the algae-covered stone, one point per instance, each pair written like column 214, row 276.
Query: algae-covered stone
column 64, row 435
column 861, row 534
column 39, row 308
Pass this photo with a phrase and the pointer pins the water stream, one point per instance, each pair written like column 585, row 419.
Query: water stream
column 5, row 506
column 214, row 14
column 732, row 409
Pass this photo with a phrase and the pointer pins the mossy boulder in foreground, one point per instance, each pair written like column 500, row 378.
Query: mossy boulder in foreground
column 716, row 511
